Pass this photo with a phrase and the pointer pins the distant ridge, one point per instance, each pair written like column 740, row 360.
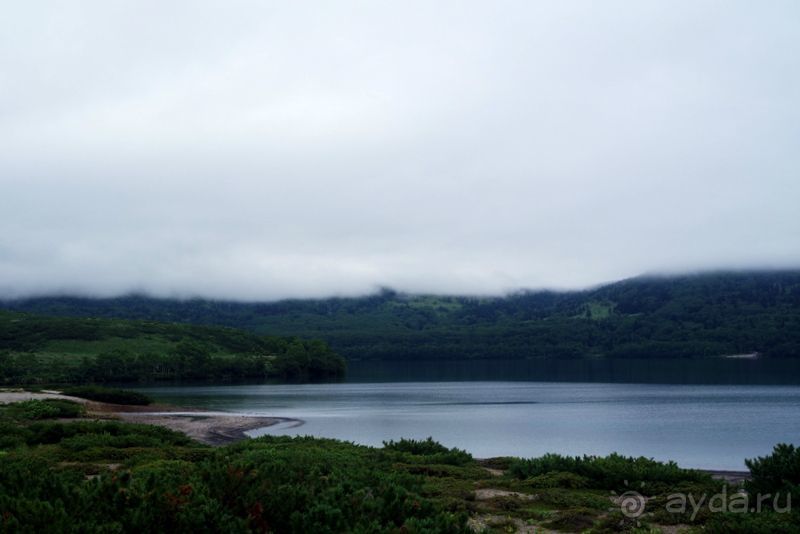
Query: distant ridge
column 693, row 315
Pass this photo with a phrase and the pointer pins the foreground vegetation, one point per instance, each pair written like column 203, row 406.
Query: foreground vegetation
column 671, row 317
column 35, row 349
column 106, row 476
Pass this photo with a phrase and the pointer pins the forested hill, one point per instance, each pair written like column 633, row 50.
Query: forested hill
column 699, row 315
column 36, row 349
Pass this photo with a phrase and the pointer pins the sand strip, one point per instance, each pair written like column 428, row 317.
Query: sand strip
column 211, row 428
column 216, row 429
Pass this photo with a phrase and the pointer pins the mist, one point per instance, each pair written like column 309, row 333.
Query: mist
column 264, row 150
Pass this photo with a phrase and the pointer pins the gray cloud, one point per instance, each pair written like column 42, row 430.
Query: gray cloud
column 260, row 150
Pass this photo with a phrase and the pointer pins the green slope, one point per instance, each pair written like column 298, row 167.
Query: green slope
column 700, row 315
column 65, row 349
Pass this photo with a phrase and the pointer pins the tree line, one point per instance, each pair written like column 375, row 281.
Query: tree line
column 65, row 350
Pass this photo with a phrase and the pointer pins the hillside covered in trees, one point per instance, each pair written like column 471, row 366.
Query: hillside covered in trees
column 35, row 349
column 701, row 315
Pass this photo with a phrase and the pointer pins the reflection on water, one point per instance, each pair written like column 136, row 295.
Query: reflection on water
column 643, row 371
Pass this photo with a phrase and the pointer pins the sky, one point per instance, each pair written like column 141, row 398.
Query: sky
column 258, row 150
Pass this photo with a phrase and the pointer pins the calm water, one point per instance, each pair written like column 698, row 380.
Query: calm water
column 712, row 426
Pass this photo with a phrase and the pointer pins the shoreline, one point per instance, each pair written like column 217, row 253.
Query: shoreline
column 213, row 427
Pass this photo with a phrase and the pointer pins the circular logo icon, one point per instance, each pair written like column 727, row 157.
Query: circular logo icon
column 632, row 504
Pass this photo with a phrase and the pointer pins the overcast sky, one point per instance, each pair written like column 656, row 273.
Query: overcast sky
column 260, row 150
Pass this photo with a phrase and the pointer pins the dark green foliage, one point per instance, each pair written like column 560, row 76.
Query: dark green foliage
column 615, row 522
column 66, row 350
column 620, row 473
column 750, row 523
column 91, row 476
column 662, row 505
column 45, row 409
column 111, row 395
column 558, row 479
column 777, row 472
column 500, row 463
column 101, row 433
column 561, row 498
column 427, row 451
column 426, row 447
column 679, row 317
column 269, row 484
column 325, row 486
column 573, row 520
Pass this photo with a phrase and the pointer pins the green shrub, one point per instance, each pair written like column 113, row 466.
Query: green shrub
column 752, row 523
column 44, row 409
column 32, row 409
column 777, row 472
column 697, row 492
column 565, row 498
column 573, row 520
column 615, row 522
column 426, row 451
column 12, row 435
column 66, row 408
column 614, row 471
column 500, row 462
column 166, row 483
column 425, row 447
column 559, row 479
column 110, row 395
column 45, row 432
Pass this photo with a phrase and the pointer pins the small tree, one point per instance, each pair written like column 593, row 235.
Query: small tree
column 778, row 472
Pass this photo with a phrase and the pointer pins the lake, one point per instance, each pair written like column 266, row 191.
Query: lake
column 703, row 425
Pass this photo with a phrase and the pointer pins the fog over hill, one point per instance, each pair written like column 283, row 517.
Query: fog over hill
column 261, row 150
column 699, row 315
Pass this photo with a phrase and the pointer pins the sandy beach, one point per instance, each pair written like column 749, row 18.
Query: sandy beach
column 205, row 427
column 211, row 428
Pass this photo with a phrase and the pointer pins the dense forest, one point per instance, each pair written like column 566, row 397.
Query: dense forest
column 35, row 349
column 689, row 316
column 107, row 476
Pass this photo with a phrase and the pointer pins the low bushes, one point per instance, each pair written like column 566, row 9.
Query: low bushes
column 48, row 432
column 270, row 484
column 573, row 520
column 44, row 409
column 759, row 523
column 614, row 471
column 428, row 450
column 108, row 476
column 558, row 479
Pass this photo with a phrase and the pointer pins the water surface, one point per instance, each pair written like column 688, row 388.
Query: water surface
column 704, row 426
